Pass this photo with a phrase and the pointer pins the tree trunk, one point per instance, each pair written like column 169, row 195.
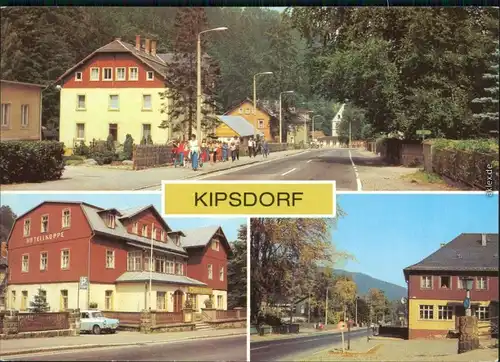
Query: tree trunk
column 468, row 334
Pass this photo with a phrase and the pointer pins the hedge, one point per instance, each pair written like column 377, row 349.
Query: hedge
column 31, row 161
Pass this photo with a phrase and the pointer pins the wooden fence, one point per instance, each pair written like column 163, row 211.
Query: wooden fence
column 169, row 318
column 125, row 318
column 35, row 322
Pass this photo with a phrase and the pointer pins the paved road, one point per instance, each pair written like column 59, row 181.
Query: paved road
column 321, row 165
column 285, row 349
column 214, row 349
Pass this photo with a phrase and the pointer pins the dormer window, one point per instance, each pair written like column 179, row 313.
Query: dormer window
column 135, row 228
column 111, row 221
column 144, row 230
column 78, row 76
column 162, row 235
column 153, row 233
column 177, row 239
column 27, row 227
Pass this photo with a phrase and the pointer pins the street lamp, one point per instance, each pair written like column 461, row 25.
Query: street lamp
column 313, row 129
column 255, row 100
column 198, row 80
column 281, row 119
column 467, row 304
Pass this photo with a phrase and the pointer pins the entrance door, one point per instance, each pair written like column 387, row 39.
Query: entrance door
column 113, row 131
column 178, row 301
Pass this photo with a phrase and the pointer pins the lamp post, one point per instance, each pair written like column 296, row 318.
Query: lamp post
column 467, row 303
column 313, row 129
column 255, row 100
column 198, row 80
column 281, row 119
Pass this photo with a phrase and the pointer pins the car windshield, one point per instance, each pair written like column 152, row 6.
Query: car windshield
column 97, row 315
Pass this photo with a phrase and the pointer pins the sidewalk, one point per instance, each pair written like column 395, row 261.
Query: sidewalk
column 33, row 345
column 89, row 178
column 303, row 333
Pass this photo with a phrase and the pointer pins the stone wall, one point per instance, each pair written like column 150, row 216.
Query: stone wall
column 33, row 325
column 218, row 324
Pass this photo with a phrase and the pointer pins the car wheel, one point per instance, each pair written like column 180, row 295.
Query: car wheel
column 113, row 331
column 96, row 329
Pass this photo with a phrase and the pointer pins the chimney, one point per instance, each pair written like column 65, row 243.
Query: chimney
column 153, row 47
column 3, row 249
column 443, row 244
column 484, row 239
column 138, row 42
column 147, row 46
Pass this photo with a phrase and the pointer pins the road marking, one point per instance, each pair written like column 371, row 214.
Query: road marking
column 289, row 171
column 308, row 161
column 358, row 181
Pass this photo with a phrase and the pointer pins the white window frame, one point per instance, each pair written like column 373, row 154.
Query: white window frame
column 65, row 259
column 78, row 78
column 108, row 300
column 117, row 78
column 110, row 259
column 148, row 77
column 210, row 271
column 41, row 223
column 445, row 313
column 144, row 108
column 423, row 282
column 482, row 282
column 25, row 263
column 98, row 74
column 78, row 102
column 170, row 267
column 134, row 261
column 27, row 230
column 215, row 245
column 482, row 313
column 150, row 130
column 6, row 115
column 160, row 300
column 111, row 220
column 104, row 69
column 426, row 312
column 162, row 235
column 130, row 74
column 110, row 102
column 462, row 283
column 78, row 131
column 66, row 218
column 261, row 124
column 44, row 265
column 25, row 120
column 179, row 268
column 144, row 231
column 221, row 274
column 450, row 282
column 135, row 227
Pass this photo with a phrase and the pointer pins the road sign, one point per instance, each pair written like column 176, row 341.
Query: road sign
column 341, row 326
column 467, row 303
column 84, row 283
column 423, row 132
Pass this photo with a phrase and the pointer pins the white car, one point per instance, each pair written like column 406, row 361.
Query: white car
column 93, row 321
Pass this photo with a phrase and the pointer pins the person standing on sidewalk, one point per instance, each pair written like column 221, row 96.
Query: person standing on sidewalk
column 224, row 151
column 251, row 147
column 237, row 142
column 180, row 153
column 232, row 149
column 175, row 150
column 194, row 151
column 265, row 148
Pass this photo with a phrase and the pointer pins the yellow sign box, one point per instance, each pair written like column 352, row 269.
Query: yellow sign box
column 268, row 198
column 200, row 290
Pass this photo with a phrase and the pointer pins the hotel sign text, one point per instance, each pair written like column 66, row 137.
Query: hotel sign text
column 36, row 239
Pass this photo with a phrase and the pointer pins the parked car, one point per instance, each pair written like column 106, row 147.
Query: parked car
column 93, row 321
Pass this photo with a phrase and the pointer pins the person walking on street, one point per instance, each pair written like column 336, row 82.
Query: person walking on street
column 194, row 150
column 251, row 147
column 265, row 148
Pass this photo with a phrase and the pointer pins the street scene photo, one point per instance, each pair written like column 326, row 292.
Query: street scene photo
column 374, row 98
column 105, row 277
column 392, row 278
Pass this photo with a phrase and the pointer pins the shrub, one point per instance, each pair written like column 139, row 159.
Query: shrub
column 31, row 161
column 103, row 158
column 110, row 143
column 81, row 149
column 128, row 148
column 93, row 305
column 486, row 146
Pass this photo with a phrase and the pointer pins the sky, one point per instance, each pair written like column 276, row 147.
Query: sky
column 389, row 232
column 20, row 203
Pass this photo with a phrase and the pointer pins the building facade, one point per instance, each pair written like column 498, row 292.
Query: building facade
column 21, row 111
column 81, row 255
column 115, row 91
column 260, row 119
column 3, row 274
column 436, row 285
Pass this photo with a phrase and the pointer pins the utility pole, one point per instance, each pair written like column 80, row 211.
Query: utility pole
column 350, row 134
column 309, row 309
column 356, row 312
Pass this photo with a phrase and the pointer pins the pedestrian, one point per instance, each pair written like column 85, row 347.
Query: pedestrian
column 194, row 151
column 237, row 142
column 224, row 151
column 180, row 153
column 218, row 151
column 232, row 149
column 265, row 148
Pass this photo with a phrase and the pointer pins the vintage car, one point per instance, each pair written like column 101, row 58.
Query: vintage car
column 93, row 321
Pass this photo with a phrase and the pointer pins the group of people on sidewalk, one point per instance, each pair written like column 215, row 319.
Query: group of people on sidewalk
column 194, row 153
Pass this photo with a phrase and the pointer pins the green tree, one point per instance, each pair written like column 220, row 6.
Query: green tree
column 180, row 93
column 7, row 219
column 378, row 303
column 237, row 271
column 39, row 303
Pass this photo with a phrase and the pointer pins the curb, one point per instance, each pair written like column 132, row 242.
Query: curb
column 220, row 170
column 94, row 346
